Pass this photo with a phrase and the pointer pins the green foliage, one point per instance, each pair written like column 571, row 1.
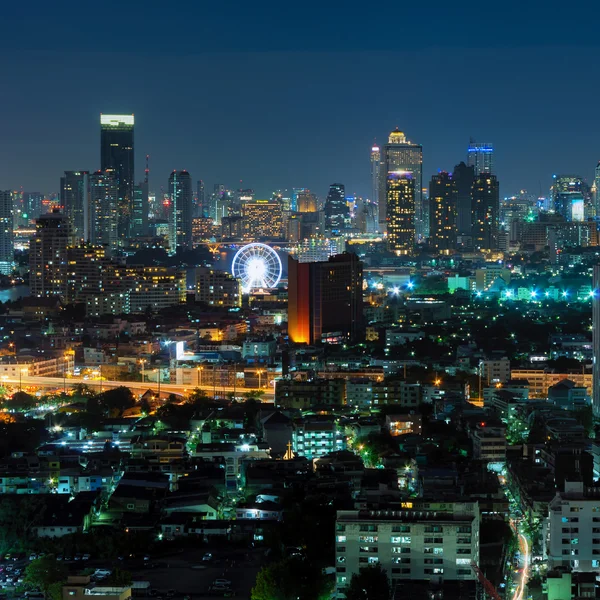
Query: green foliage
column 45, row 572
column 370, row 583
column 116, row 401
column 290, row 579
column 120, row 577
column 22, row 401
column 145, row 406
column 55, row 590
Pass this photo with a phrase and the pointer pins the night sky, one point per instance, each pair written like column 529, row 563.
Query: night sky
column 284, row 95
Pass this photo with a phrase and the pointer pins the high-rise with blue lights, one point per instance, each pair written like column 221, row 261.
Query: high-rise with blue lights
column 7, row 251
column 336, row 208
column 480, row 156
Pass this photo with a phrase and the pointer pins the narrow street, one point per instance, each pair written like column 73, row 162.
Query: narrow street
column 524, row 561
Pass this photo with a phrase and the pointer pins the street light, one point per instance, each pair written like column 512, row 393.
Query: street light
column 66, row 359
column 26, row 371
column 199, row 376
column 142, row 362
column 260, row 372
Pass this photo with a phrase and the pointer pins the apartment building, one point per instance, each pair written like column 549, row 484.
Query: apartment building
column 434, row 541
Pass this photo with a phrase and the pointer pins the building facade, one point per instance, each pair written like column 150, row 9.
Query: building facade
column 7, row 251
column 325, row 299
column 401, row 195
column 180, row 215
column 116, row 154
column 417, row 541
column 485, row 212
column 75, row 200
column 218, row 288
column 442, row 212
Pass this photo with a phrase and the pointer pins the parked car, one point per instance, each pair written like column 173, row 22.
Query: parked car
column 208, row 556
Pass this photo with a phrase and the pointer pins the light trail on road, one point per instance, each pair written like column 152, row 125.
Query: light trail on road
column 526, row 557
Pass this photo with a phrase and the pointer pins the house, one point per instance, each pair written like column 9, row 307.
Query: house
column 263, row 511
column 63, row 516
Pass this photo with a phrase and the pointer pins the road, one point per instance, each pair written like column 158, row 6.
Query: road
column 165, row 388
column 525, row 561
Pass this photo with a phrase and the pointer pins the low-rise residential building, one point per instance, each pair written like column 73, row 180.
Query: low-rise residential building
column 574, row 528
column 306, row 394
column 400, row 393
column 401, row 424
column 489, row 442
column 218, row 288
column 314, row 437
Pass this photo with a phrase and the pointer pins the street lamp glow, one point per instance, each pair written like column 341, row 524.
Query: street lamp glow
column 533, row 294
column 565, row 294
column 410, row 285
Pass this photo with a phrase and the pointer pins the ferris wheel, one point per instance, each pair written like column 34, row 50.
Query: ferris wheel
column 258, row 266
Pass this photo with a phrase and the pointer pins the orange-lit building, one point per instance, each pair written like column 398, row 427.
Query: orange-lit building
column 325, row 299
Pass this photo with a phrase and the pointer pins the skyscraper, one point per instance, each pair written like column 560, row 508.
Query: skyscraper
column 485, row 211
column 572, row 197
column 48, row 264
column 32, row 205
column 480, row 156
column 375, row 173
column 400, row 203
column 596, row 341
column 180, row 218
column 104, row 192
column 262, row 219
column 399, row 154
column 305, row 201
column 7, row 251
column 463, row 177
column 116, row 153
column 139, row 223
column 336, row 208
column 597, row 188
column 325, row 299
column 75, row 200
column 442, row 212
column 201, row 208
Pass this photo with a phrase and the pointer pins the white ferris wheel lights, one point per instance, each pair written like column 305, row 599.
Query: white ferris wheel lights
column 258, row 266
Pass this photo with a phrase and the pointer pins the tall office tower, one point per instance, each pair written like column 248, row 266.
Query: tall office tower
column 442, row 212
column 400, row 205
column 48, row 263
column 597, row 190
column 7, row 250
column 485, row 211
column 201, row 208
column 596, row 341
column 480, row 156
column 375, row 174
column 463, row 177
column 104, row 194
column 306, row 202
column 116, row 153
column 325, row 299
column 336, row 209
column 75, row 200
column 32, row 205
column 262, row 219
column 139, row 224
column 399, row 154
column 218, row 203
column 180, row 218
column 571, row 197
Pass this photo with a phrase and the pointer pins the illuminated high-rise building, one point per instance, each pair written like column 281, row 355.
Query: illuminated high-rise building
column 32, row 205
column 336, row 208
column 325, row 299
column 596, row 341
column 485, row 212
column 7, row 251
column 201, row 208
column 400, row 204
column 375, row 174
column 116, row 154
column 305, row 201
column 75, row 200
column 480, row 156
column 572, row 198
column 141, row 207
column 463, row 177
column 180, row 217
column 399, row 154
column 442, row 212
column 104, row 194
column 48, row 263
column 262, row 219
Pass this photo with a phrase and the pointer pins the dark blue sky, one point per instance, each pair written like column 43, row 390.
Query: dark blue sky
column 293, row 94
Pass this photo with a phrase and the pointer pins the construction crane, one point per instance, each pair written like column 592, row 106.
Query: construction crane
column 490, row 590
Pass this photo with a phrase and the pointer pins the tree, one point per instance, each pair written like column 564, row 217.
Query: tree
column 22, row 401
column 290, row 579
column 43, row 572
column 145, row 406
column 120, row 577
column 116, row 401
column 370, row 583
